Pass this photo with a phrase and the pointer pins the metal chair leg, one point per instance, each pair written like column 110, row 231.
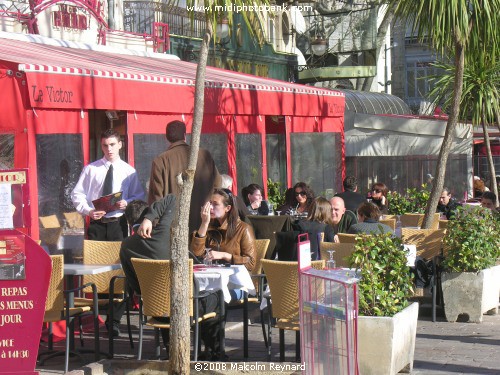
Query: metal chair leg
column 297, row 346
column 263, row 326
column 282, row 345
column 245, row 326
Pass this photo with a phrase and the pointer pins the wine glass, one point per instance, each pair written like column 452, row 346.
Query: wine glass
column 330, row 263
column 207, row 261
column 278, row 213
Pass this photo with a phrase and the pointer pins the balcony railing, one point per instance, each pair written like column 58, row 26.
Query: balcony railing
column 139, row 17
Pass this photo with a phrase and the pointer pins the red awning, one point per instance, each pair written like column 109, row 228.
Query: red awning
column 70, row 78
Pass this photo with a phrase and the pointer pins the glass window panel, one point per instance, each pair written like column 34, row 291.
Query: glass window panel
column 149, row 146
column 59, row 164
column 146, row 148
column 6, row 151
column 248, row 159
column 316, row 161
column 410, row 79
column 276, row 158
column 421, row 79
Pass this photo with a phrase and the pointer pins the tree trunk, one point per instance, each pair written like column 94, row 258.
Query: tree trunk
column 449, row 134
column 491, row 164
column 180, row 326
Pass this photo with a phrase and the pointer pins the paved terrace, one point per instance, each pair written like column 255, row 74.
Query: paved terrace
column 441, row 348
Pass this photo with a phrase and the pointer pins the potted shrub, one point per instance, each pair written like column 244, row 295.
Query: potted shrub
column 470, row 279
column 413, row 201
column 387, row 322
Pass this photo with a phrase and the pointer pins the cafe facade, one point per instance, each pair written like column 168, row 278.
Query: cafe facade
column 57, row 100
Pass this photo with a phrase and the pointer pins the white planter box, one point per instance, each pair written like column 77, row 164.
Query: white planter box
column 471, row 293
column 386, row 345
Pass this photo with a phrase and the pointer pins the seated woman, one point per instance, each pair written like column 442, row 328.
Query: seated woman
column 368, row 215
column 221, row 229
column 318, row 221
column 302, row 199
column 252, row 196
column 379, row 196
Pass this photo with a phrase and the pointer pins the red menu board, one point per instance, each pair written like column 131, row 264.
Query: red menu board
column 22, row 301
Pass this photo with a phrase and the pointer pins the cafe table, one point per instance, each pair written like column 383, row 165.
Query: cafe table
column 77, row 269
column 219, row 277
column 265, row 227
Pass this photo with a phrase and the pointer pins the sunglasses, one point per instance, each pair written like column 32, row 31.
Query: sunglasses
column 303, row 193
column 377, row 190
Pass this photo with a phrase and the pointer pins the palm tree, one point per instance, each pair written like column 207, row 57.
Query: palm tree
column 215, row 10
column 480, row 96
column 451, row 26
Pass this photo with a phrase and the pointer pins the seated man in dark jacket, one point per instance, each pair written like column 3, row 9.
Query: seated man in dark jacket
column 342, row 219
column 447, row 205
column 152, row 241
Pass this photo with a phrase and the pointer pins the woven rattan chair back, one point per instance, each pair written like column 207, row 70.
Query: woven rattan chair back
column 443, row 224
column 54, row 303
column 154, row 280
column 429, row 242
column 389, row 222
column 103, row 252
column 416, row 220
column 388, row 217
column 74, row 220
column 283, row 280
column 346, row 238
column 50, row 221
column 260, row 253
column 342, row 251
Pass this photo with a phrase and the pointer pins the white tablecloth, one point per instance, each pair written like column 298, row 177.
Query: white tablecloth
column 225, row 278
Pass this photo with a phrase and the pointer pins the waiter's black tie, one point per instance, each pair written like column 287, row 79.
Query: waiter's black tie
column 108, row 181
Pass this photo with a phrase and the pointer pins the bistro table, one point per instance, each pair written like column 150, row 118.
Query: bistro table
column 72, row 270
column 265, row 227
column 223, row 278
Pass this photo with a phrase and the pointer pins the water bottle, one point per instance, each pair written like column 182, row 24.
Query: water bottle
column 270, row 205
column 399, row 226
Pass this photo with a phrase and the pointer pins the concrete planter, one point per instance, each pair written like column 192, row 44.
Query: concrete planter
column 471, row 293
column 386, row 345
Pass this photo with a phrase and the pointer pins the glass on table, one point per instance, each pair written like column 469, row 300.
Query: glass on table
column 330, row 263
column 207, row 261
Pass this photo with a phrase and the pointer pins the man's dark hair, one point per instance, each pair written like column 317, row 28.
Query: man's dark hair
column 350, row 183
column 110, row 133
column 176, row 131
column 490, row 195
column 135, row 212
column 369, row 211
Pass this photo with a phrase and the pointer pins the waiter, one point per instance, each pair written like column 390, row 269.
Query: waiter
column 103, row 177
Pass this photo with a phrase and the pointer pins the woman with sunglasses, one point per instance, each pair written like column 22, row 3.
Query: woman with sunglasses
column 379, row 196
column 231, row 240
column 301, row 200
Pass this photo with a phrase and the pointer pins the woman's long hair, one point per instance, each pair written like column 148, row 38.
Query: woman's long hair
column 232, row 215
column 321, row 211
column 250, row 189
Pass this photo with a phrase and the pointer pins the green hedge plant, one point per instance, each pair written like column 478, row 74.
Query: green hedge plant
column 413, row 201
column 472, row 240
column 386, row 284
column 275, row 193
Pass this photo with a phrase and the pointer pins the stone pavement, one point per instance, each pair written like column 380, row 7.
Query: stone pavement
column 441, row 348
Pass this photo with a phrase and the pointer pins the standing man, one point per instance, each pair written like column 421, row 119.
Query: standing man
column 352, row 199
column 447, row 205
column 102, row 177
column 167, row 166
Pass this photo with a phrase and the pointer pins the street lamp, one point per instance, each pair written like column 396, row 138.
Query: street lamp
column 319, row 46
column 387, row 82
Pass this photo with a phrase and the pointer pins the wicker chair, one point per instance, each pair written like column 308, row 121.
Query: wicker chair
column 50, row 230
column 283, row 281
column 443, row 224
column 389, row 222
column 74, row 220
column 110, row 283
column 429, row 243
column 342, row 251
column 56, row 310
column 346, row 238
column 416, row 220
column 258, row 280
column 154, row 279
